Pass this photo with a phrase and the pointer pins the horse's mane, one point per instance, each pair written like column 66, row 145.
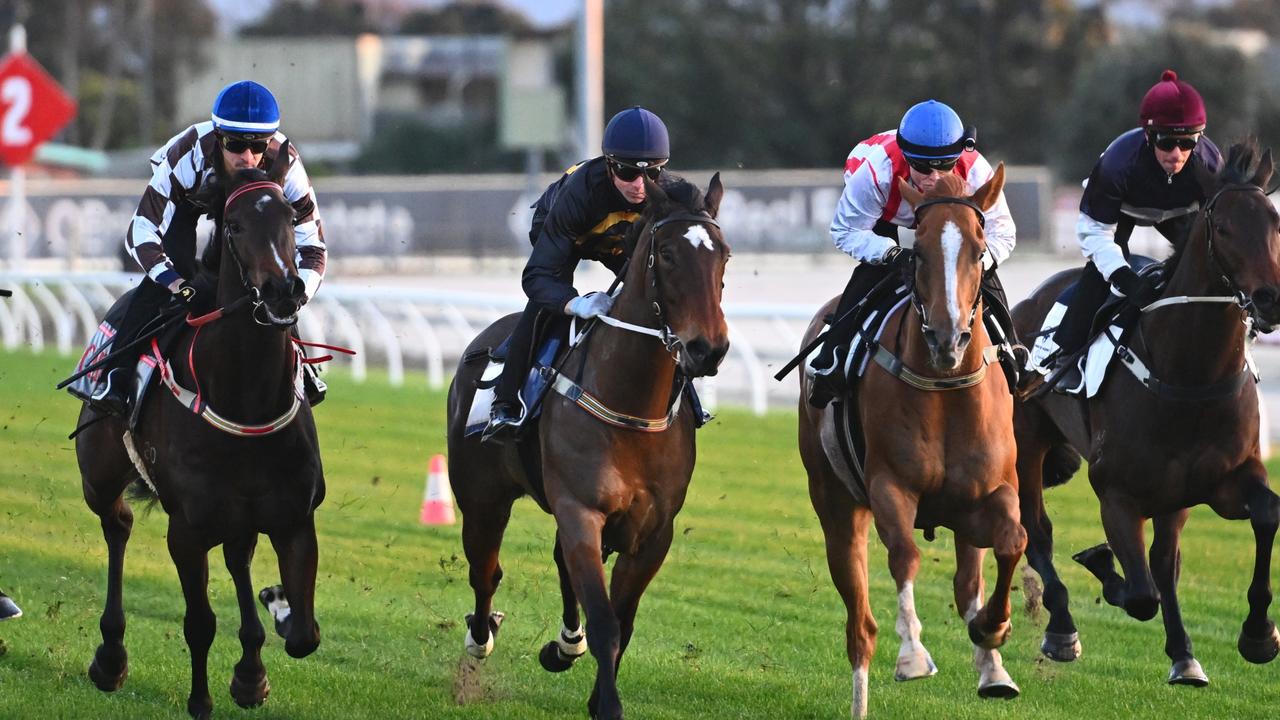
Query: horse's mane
column 948, row 185
column 679, row 191
column 1237, row 169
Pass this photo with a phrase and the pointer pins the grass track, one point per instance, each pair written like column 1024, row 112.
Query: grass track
column 742, row 622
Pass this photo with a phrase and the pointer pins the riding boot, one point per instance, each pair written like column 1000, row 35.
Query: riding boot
column 995, row 306
column 144, row 306
column 826, row 371
column 1073, row 331
column 506, row 413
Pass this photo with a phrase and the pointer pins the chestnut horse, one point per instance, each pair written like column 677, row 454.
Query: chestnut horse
column 939, row 448
column 1187, row 435
column 220, row 481
column 612, row 485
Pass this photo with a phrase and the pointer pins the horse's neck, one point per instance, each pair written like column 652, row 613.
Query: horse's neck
column 628, row 371
column 1196, row 342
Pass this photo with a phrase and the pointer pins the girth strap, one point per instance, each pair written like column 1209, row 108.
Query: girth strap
column 893, row 365
column 585, row 400
column 1221, row 389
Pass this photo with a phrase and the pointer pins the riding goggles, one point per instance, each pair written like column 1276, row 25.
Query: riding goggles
column 236, row 144
column 1167, row 143
column 926, row 167
column 629, row 170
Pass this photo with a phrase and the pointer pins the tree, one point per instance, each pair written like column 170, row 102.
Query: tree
column 343, row 18
column 466, row 18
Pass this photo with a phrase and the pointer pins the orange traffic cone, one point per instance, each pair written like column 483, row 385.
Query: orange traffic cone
column 437, row 502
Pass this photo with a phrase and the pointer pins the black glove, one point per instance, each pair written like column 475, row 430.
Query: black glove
column 899, row 258
column 1139, row 290
column 186, row 293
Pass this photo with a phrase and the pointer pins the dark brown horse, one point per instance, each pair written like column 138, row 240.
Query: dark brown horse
column 939, row 448
column 612, row 485
column 1186, row 436
column 248, row 464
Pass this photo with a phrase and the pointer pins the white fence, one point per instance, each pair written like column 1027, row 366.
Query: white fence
column 398, row 329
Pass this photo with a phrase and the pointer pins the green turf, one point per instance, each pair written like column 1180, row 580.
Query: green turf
column 742, row 622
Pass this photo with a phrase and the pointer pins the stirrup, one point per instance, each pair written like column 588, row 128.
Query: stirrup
column 504, row 418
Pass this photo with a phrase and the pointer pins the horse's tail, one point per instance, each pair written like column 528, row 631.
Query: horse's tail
column 1060, row 464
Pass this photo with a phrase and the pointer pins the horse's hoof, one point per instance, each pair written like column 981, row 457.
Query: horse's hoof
column 109, row 680
column 1262, row 649
column 553, row 660
column 914, row 667
column 1003, row 688
column 1061, row 647
column 201, row 708
column 250, row 694
column 1188, row 672
column 478, row 650
column 1142, row 608
column 992, row 640
column 1098, row 559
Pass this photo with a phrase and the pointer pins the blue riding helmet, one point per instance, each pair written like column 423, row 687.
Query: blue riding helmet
column 932, row 131
column 246, row 107
column 636, row 134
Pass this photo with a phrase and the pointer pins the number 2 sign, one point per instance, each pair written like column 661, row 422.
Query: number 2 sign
column 33, row 107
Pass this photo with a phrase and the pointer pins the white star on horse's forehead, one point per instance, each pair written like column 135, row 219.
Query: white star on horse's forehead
column 262, row 203
column 697, row 235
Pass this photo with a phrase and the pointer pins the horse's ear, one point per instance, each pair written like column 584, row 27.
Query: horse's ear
column 715, row 193
column 989, row 193
column 909, row 193
column 654, row 192
column 210, row 195
column 1266, row 166
column 279, row 165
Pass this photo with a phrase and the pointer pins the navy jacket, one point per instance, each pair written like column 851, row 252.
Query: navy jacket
column 1128, row 175
column 581, row 216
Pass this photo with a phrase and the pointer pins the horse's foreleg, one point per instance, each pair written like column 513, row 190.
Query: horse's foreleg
column 560, row 654
column 249, row 686
column 845, row 527
column 298, row 558
column 1061, row 639
column 990, row 627
column 895, row 513
column 1259, row 641
column 190, row 557
column 580, row 539
column 993, row 679
column 1136, row 590
column 110, row 664
column 483, row 526
column 1166, row 566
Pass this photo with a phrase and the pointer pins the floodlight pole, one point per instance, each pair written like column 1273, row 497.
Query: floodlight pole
column 590, row 78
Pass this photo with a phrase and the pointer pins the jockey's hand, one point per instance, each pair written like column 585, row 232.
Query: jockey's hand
column 899, row 258
column 590, row 305
column 1139, row 290
column 186, row 292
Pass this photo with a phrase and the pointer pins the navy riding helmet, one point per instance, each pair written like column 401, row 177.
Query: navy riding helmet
column 932, row 132
column 635, row 134
column 246, row 108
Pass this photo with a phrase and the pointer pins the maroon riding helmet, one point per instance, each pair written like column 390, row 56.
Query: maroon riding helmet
column 1173, row 106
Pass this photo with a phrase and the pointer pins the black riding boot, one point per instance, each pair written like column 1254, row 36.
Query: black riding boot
column 828, row 381
column 1073, row 330
column 144, row 306
column 506, row 411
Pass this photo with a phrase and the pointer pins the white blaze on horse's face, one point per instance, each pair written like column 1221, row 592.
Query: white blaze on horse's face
column 263, row 202
column 698, row 235
column 952, row 242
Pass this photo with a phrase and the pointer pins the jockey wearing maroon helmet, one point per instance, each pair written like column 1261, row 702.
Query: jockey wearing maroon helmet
column 1145, row 178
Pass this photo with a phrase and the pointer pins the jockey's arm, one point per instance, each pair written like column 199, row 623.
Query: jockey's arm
column 860, row 206
column 169, row 184
column 548, row 275
column 310, row 251
column 1099, row 216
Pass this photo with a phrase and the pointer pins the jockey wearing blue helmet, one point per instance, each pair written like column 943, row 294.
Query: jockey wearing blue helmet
column 243, row 132
column 930, row 141
column 585, row 214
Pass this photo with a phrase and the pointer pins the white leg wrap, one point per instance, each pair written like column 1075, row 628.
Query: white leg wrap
column 993, row 679
column 572, row 643
column 858, row 709
column 475, row 649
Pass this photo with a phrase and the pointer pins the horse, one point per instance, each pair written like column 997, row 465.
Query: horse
column 939, row 448
column 1184, row 435
column 223, row 476
column 615, row 463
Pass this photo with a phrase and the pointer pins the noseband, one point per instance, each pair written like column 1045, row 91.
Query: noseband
column 253, row 294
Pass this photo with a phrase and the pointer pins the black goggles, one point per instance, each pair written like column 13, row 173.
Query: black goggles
column 627, row 172
column 1183, row 142
column 925, row 167
column 236, row 144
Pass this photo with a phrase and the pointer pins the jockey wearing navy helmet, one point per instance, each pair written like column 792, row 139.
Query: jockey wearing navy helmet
column 1145, row 177
column 243, row 132
column 583, row 215
column 930, row 141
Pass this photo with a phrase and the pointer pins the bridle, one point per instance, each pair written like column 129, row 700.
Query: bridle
column 982, row 223
column 252, row 294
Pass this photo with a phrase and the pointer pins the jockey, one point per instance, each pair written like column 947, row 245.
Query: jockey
column 243, row 132
column 583, row 215
column 929, row 142
column 1145, row 177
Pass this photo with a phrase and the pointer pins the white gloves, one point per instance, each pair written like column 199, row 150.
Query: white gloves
column 590, row 305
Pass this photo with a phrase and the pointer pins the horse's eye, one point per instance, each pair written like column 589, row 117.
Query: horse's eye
column 667, row 255
column 233, row 228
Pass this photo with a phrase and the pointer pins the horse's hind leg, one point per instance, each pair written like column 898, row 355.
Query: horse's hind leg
column 560, row 654
column 483, row 525
column 298, row 557
column 1061, row 639
column 895, row 515
column 1166, row 566
column 993, row 679
column 199, row 624
column 249, row 685
column 631, row 575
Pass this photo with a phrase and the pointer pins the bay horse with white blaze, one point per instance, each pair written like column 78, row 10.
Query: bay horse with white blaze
column 939, row 448
column 1173, row 425
column 616, row 460
column 252, row 466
